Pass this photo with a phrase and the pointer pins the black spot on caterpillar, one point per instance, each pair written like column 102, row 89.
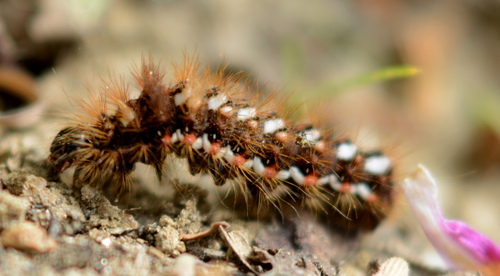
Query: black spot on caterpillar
column 210, row 119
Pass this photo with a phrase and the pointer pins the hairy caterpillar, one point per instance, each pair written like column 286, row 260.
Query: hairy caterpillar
column 214, row 122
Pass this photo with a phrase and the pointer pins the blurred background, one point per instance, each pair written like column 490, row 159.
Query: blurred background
column 317, row 53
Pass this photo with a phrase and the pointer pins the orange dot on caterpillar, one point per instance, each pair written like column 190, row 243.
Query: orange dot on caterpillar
column 208, row 119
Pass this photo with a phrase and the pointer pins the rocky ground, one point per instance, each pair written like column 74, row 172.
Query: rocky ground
column 52, row 228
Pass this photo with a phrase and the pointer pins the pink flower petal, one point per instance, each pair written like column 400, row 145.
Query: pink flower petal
column 461, row 246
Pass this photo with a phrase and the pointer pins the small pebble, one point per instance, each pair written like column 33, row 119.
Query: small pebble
column 27, row 236
column 185, row 265
column 168, row 240
column 394, row 266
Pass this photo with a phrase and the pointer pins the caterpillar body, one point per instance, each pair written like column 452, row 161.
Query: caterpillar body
column 214, row 122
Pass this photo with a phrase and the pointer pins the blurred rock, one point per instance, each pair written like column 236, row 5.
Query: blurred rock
column 27, row 236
